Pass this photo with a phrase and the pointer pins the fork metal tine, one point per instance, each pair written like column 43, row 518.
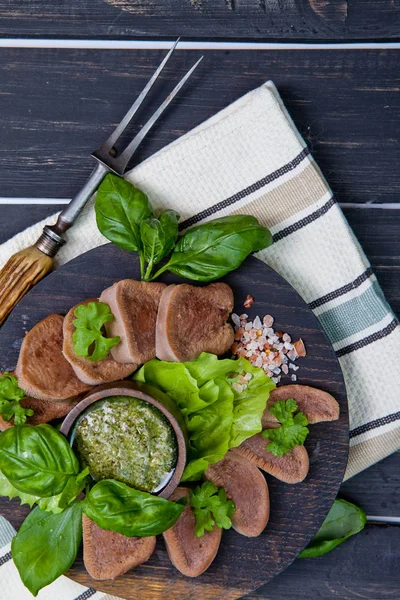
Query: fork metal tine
column 110, row 142
column 122, row 160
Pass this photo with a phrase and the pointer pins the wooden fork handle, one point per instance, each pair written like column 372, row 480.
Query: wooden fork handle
column 21, row 272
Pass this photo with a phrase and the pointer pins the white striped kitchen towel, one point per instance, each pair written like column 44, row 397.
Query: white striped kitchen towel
column 12, row 587
column 250, row 158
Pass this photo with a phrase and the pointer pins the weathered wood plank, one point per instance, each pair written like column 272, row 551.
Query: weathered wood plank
column 305, row 20
column 58, row 105
column 377, row 489
column 366, row 566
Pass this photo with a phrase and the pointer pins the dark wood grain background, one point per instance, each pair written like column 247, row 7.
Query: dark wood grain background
column 56, row 105
column 305, row 20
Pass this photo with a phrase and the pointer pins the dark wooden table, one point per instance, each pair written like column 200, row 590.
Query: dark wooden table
column 58, row 102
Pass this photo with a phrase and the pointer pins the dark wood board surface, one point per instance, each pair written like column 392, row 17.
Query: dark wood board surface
column 58, row 105
column 305, row 20
column 296, row 510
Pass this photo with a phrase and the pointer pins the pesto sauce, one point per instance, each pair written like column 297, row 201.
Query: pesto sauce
column 126, row 439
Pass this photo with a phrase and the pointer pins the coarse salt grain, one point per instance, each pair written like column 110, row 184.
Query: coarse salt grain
column 257, row 323
column 293, row 377
column 268, row 321
column 236, row 319
column 237, row 387
column 264, row 347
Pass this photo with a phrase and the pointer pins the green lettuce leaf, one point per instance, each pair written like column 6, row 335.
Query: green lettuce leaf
column 209, row 433
column 175, row 381
column 218, row 414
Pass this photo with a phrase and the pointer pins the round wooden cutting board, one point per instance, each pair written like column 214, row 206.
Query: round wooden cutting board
column 297, row 511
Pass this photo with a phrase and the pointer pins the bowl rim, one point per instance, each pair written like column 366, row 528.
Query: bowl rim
column 148, row 394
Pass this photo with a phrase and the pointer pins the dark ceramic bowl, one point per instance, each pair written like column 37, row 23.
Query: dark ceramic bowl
column 151, row 395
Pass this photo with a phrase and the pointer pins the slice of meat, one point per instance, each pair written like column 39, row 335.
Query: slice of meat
column 246, row 486
column 188, row 553
column 192, row 320
column 290, row 468
column 42, row 370
column 86, row 370
column 134, row 305
column 44, row 411
column 107, row 554
column 316, row 404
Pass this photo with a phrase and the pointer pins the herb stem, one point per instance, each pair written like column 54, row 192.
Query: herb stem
column 147, row 276
column 158, row 273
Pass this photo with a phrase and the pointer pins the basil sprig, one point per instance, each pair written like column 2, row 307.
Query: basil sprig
column 38, row 465
column 203, row 253
column 46, row 545
column 343, row 520
column 115, row 506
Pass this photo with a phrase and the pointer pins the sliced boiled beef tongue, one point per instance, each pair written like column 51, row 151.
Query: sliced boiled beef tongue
column 190, row 554
column 93, row 373
column 315, row 404
column 42, row 370
column 246, row 486
column 192, row 320
column 134, row 305
column 107, row 554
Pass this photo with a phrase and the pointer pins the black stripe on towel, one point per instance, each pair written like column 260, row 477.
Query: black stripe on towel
column 246, row 192
column 303, row 222
column 342, row 290
column 5, row 558
column 374, row 424
column 86, row 594
column 374, row 337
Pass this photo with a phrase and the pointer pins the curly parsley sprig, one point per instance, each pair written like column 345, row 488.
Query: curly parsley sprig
column 10, row 397
column 293, row 430
column 88, row 339
column 211, row 507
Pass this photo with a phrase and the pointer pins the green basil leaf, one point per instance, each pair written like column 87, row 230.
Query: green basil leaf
column 211, row 250
column 120, row 208
column 159, row 236
column 114, row 506
column 46, row 545
column 344, row 520
column 153, row 240
column 169, row 220
column 37, row 459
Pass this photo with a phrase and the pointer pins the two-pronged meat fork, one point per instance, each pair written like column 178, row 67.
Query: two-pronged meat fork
column 25, row 268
